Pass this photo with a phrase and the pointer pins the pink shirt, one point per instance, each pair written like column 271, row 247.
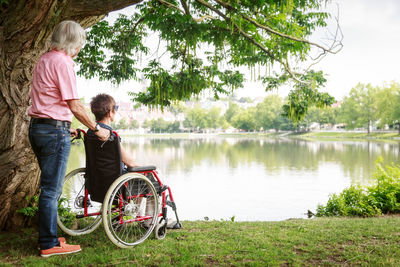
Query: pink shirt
column 54, row 82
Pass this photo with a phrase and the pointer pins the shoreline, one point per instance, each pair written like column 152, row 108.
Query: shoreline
column 313, row 135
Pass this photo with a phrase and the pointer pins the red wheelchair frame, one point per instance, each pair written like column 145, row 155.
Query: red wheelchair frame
column 119, row 209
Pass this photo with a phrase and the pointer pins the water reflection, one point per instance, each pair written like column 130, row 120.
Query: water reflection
column 254, row 179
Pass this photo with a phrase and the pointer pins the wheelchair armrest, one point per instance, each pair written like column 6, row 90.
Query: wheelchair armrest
column 141, row 168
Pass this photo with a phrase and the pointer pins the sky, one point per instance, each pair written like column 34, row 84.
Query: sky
column 370, row 53
column 371, row 46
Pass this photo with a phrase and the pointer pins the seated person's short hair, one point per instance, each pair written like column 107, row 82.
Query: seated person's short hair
column 101, row 105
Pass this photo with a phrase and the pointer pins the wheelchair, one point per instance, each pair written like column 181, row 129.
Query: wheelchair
column 131, row 205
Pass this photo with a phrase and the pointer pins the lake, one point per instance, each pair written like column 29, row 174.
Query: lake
column 253, row 179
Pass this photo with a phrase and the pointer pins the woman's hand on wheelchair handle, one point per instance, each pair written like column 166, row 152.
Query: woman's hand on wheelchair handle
column 103, row 134
column 73, row 132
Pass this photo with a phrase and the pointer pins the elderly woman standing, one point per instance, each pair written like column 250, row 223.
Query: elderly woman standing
column 54, row 101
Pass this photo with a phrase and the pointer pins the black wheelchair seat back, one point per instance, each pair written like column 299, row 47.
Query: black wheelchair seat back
column 103, row 164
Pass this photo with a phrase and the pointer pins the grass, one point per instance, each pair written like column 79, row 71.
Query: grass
column 325, row 135
column 156, row 135
column 200, row 135
column 315, row 242
column 250, row 134
column 353, row 135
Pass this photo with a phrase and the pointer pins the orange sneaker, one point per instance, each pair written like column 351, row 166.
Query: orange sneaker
column 60, row 239
column 64, row 248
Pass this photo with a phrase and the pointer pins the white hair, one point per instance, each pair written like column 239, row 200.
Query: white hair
column 68, row 36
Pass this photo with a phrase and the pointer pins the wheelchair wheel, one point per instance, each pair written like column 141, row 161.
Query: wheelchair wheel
column 160, row 231
column 71, row 206
column 130, row 210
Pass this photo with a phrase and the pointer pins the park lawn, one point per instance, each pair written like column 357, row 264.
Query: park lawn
column 351, row 135
column 315, row 242
column 339, row 135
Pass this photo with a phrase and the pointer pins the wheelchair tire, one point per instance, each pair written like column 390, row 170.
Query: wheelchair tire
column 127, row 217
column 71, row 206
column 160, row 231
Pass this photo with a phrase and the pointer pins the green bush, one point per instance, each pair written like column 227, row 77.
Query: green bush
column 383, row 197
column 352, row 201
column 32, row 207
column 386, row 191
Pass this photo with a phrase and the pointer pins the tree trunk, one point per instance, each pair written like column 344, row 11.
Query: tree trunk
column 369, row 127
column 25, row 27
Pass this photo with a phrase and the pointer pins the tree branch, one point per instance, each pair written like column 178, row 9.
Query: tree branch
column 168, row 4
column 97, row 7
column 185, row 7
column 134, row 26
column 333, row 46
column 89, row 12
column 186, row 10
column 203, row 18
column 248, row 37
column 272, row 31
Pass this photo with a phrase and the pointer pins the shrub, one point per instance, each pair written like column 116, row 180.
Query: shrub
column 32, row 208
column 352, row 201
column 382, row 197
column 386, row 190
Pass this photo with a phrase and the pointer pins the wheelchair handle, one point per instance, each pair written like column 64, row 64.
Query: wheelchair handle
column 79, row 133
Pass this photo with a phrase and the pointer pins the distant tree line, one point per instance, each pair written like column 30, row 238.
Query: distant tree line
column 365, row 107
column 123, row 124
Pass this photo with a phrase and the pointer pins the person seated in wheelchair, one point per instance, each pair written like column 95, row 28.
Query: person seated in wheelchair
column 110, row 152
column 108, row 160
column 104, row 108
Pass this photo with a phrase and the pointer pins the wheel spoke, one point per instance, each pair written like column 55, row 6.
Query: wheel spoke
column 71, row 208
column 138, row 220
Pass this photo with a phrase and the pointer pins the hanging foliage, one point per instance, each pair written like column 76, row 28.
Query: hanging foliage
column 201, row 44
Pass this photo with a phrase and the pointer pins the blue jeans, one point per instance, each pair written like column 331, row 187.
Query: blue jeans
column 51, row 145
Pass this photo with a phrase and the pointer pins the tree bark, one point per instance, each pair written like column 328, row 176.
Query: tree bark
column 25, row 28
